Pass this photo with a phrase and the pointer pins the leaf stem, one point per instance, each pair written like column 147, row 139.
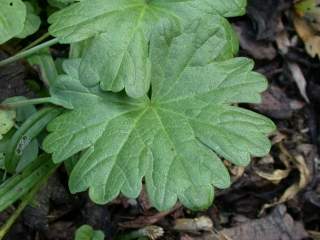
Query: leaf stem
column 36, row 42
column 28, row 52
column 6, row 227
column 25, row 201
column 26, row 102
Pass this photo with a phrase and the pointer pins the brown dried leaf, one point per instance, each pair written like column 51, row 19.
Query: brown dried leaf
column 276, row 176
column 275, row 104
column 207, row 236
column 299, row 78
column 282, row 38
column 257, row 49
column 144, row 200
column 313, row 17
column 194, row 225
column 293, row 190
column 278, row 137
column 314, row 235
column 236, row 171
column 278, row 225
column 308, row 35
column 143, row 221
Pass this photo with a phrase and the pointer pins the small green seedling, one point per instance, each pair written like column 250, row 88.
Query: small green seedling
column 86, row 232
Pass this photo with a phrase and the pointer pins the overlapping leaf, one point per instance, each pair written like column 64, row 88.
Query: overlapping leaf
column 12, row 17
column 118, row 55
column 31, row 23
column 17, row 19
column 175, row 138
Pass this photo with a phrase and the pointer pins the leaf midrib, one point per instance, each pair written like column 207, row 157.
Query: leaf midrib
column 129, row 7
column 133, row 32
column 177, row 80
column 211, row 125
column 115, row 156
column 191, row 96
column 176, row 155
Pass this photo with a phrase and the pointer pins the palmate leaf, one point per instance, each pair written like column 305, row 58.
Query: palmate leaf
column 175, row 138
column 118, row 55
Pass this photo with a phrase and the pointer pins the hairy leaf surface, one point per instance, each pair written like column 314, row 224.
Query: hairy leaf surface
column 118, row 55
column 176, row 138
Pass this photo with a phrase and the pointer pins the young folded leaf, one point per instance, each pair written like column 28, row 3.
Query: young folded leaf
column 174, row 138
column 118, row 55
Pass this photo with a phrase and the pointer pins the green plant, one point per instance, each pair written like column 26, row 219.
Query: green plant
column 177, row 118
column 118, row 53
column 18, row 19
column 86, row 232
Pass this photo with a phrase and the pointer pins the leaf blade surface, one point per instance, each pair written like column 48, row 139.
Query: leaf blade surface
column 175, row 139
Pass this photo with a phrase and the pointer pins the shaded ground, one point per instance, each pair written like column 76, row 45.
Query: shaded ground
column 277, row 197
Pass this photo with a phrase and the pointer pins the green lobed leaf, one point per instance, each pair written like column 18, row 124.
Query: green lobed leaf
column 32, row 22
column 174, row 139
column 118, row 55
column 86, row 232
column 12, row 17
